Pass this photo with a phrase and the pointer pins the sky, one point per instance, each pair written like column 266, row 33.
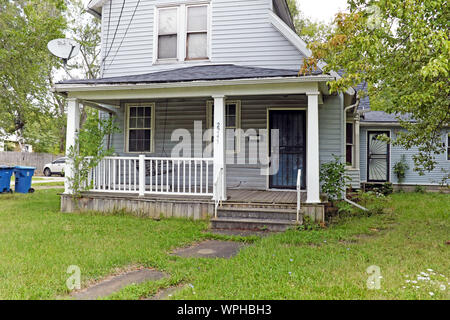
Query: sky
column 321, row 10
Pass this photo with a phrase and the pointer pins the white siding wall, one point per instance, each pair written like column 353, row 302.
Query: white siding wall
column 412, row 177
column 241, row 34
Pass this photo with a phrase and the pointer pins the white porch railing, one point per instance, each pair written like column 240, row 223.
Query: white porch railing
column 146, row 175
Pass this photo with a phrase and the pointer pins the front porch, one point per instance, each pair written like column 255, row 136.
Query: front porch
column 146, row 168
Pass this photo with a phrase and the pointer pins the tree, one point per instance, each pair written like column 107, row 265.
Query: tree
column 400, row 48
column 25, row 28
column 85, row 29
column 310, row 31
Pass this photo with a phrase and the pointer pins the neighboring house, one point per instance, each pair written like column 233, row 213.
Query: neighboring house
column 377, row 158
column 171, row 70
column 11, row 143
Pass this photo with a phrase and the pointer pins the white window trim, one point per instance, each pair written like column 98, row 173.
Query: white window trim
column 181, row 32
column 127, row 127
column 210, row 120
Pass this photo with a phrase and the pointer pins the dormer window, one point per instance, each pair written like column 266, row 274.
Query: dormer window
column 182, row 33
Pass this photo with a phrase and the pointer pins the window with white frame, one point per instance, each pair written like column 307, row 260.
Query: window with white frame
column 182, row 33
column 232, row 122
column 197, row 32
column 350, row 143
column 140, row 124
column 168, row 33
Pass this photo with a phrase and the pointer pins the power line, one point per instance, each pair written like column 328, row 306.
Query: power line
column 115, row 32
column 126, row 32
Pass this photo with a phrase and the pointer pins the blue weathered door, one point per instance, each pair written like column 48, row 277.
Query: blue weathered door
column 292, row 153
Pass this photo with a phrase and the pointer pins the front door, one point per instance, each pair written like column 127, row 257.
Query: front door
column 292, row 153
column 377, row 157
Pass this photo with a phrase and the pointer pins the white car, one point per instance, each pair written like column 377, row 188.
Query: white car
column 55, row 167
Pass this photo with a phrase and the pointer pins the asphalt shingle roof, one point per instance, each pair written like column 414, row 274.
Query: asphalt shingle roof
column 195, row 73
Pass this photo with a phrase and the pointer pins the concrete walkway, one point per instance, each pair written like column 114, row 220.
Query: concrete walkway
column 210, row 249
column 108, row 287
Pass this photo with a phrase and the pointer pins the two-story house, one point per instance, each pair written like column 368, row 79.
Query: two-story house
column 211, row 108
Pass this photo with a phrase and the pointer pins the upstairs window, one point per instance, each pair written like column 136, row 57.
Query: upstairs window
column 168, row 33
column 182, row 33
column 197, row 33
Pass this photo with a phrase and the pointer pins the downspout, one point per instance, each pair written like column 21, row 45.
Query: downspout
column 355, row 107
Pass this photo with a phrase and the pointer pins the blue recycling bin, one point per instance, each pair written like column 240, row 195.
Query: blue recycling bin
column 23, row 179
column 5, row 178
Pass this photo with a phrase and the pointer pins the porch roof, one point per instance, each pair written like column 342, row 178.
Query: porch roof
column 196, row 73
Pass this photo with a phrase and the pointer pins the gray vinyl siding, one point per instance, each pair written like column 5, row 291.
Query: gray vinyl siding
column 412, row 177
column 354, row 178
column 181, row 113
column 241, row 34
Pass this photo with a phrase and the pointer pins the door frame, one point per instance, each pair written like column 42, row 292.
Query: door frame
column 268, row 144
column 388, row 155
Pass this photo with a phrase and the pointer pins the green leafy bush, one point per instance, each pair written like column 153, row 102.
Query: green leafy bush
column 419, row 189
column 333, row 178
column 89, row 143
column 308, row 225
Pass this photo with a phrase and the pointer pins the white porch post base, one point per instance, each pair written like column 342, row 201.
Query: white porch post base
column 312, row 153
column 219, row 146
column 73, row 127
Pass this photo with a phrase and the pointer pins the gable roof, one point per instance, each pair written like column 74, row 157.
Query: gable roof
column 195, row 73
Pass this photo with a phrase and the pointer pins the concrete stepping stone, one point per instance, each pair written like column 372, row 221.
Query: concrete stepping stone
column 210, row 249
column 110, row 286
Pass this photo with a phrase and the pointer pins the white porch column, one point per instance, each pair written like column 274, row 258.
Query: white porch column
column 73, row 127
column 219, row 146
column 312, row 153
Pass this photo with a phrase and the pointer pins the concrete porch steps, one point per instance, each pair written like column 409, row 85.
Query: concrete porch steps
column 265, row 218
column 251, row 224
column 264, row 213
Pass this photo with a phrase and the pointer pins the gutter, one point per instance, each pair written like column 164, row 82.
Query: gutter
column 344, row 195
column 200, row 83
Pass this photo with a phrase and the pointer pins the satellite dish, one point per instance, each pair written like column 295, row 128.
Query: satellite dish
column 64, row 48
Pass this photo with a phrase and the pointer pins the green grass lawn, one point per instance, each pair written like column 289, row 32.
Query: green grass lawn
column 38, row 243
